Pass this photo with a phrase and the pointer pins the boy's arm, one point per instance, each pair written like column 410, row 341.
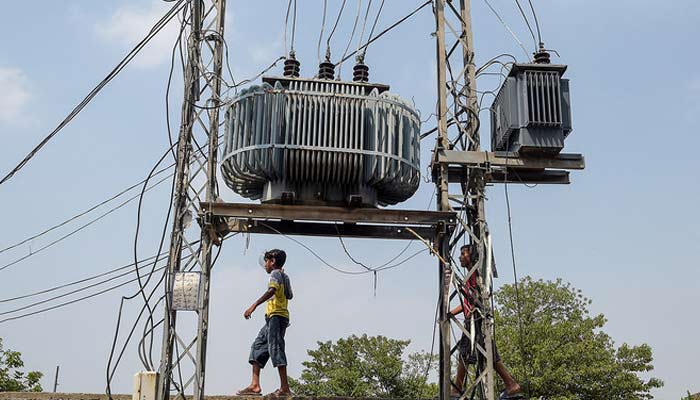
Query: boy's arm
column 457, row 310
column 265, row 297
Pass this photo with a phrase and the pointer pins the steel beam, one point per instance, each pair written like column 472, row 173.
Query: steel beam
column 510, row 160
column 328, row 229
column 329, row 214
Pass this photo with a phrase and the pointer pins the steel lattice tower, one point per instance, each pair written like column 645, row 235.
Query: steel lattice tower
column 195, row 182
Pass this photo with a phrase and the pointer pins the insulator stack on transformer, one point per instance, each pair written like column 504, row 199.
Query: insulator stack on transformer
column 291, row 66
column 542, row 56
column 326, row 70
column 360, row 72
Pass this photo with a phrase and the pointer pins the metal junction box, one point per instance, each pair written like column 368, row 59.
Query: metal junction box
column 532, row 111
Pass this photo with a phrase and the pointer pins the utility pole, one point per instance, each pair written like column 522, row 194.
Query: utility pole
column 55, row 379
column 199, row 125
column 463, row 121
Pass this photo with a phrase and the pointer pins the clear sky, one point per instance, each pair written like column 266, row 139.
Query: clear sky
column 624, row 231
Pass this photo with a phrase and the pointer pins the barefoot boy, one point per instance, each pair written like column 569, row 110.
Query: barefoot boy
column 269, row 344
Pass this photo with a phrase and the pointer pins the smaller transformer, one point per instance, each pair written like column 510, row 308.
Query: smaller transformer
column 532, row 111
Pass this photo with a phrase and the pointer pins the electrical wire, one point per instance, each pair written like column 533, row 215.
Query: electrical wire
column 83, row 280
column 387, row 29
column 505, row 25
column 527, row 22
column 537, row 23
column 323, row 27
column 515, row 280
column 364, row 24
column 376, row 20
column 80, row 228
column 82, row 289
column 73, row 218
column 352, row 34
column 294, row 25
column 70, row 302
column 120, row 66
column 335, row 25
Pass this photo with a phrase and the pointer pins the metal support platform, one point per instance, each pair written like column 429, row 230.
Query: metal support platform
column 509, row 167
column 326, row 221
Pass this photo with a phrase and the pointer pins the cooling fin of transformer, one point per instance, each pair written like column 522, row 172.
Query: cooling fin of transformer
column 324, row 142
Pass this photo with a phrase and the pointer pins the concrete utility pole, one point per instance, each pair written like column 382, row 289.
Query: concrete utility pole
column 199, row 124
column 463, row 120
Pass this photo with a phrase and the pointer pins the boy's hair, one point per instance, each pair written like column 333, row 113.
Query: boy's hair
column 278, row 255
column 471, row 248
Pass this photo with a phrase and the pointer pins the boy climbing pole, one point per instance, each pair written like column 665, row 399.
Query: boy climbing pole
column 467, row 354
column 269, row 344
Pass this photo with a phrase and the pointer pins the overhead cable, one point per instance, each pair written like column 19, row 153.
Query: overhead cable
column 527, row 22
column 527, row 55
column 120, row 66
column 73, row 218
column 82, row 280
column 382, row 33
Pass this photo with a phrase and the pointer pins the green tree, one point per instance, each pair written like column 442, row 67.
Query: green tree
column 365, row 366
column 565, row 354
column 13, row 380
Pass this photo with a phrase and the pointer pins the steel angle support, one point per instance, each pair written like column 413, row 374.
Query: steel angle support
column 203, row 26
column 486, row 159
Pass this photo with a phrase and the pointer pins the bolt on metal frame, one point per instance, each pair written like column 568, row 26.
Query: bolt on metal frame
column 198, row 134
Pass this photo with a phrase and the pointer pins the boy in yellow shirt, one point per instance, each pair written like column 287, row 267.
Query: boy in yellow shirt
column 269, row 344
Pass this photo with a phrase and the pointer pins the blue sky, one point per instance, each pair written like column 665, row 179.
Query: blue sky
column 624, row 231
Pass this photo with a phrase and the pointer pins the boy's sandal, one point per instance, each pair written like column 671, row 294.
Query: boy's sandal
column 512, row 396
column 247, row 392
column 277, row 394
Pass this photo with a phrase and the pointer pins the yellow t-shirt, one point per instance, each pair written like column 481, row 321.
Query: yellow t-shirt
column 277, row 305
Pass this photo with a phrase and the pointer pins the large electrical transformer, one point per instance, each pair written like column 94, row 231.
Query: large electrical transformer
column 532, row 111
column 320, row 141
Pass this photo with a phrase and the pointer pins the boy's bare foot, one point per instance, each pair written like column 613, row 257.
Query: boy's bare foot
column 251, row 390
column 512, row 389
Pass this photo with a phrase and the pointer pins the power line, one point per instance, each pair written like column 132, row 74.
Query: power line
column 376, row 19
column 36, row 303
column 83, row 280
column 520, row 43
column 382, row 33
column 80, row 228
column 352, row 34
column 71, row 219
column 335, row 25
column 323, row 27
column 527, row 22
column 72, row 301
column 120, row 66
column 537, row 23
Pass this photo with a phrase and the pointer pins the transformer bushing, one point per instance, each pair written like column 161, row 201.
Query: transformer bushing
column 312, row 141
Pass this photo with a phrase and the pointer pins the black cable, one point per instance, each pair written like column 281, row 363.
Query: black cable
column 376, row 19
column 537, row 23
column 352, row 34
column 70, row 302
column 36, row 303
column 390, row 27
column 323, row 27
column 80, row 228
column 120, row 66
column 522, row 12
column 83, row 280
column 515, row 280
column 162, row 238
column 330, row 35
column 73, row 218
